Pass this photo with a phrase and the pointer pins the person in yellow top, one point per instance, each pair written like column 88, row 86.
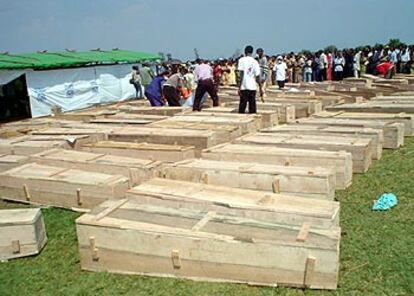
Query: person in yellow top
column 232, row 74
column 226, row 73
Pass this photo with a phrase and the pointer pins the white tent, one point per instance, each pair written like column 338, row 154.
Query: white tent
column 74, row 88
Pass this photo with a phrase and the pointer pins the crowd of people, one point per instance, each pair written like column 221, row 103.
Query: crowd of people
column 188, row 84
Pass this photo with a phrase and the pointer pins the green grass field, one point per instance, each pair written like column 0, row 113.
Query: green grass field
column 377, row 249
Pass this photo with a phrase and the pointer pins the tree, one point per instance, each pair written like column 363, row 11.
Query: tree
column 395, row 43
column 197, row 55
column 305, row 52
column 331, row 48
column 237, row 53
column 162, row 55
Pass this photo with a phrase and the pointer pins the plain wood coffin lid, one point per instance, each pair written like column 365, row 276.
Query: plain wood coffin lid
column 19, row 216
column 126, row 236
column 241, row 199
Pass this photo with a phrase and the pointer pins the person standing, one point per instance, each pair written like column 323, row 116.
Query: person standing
column 339, row 63
column 146, row 75
column 204, row 76
column 307, row 69
column 217, row 75
column 357, row 64
column 249, row 71
column 301, row 68
column 323, row 65
column 154, row 90
column 280, row 70
column 264, row 69
column 172, row 89
column 136, row 82
column 232, row 74
column 386, row 68
column 329, row 67
column 405, row 60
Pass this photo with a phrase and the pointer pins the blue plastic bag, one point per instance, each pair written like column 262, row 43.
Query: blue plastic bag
column 385, row 202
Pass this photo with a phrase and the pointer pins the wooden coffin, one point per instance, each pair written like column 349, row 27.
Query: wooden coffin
column 155, row 152
column 27, row 145
column 131, row 238
column 135, row 169
column 401, row 98
column 96, row 134
column 247, row 123
column 264, row 206
column 406, row 119
column 340, row 161
column 359, row 148
column 24, row 127
column 325, row 98
column 147, row 117
column 300, row 181
column 268, row 117
column 374, row 107
column 303, row 108
column 200, row 139
column 121, row 121
column 286, row 111
column 84, row 115
column 60, row 187
column 375, row 135
column 8, row 161
column 393, row 132
column 224, row 132
column 22, row 233
column 161, row 111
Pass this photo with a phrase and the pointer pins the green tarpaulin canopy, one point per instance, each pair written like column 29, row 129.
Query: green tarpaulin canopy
column 69, row 59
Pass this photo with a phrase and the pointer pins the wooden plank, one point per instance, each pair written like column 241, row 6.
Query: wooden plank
column 224, row 132
column 247, row 123
column 340, row 162
column 50, row 186
column 137, row 170
column 8, row 161
column 29, row 147
column 375, row 135
column 406, row 119
column 145, row 242
column 269, row 118
column 286, row 111
column 374, row 107
column 155, row 152
column 160, row 111
column 287, row 209
column 200, row 139
column 312, row 182
column 22, row 233
column 359, row 148
column 393, row 132
column 97, row 134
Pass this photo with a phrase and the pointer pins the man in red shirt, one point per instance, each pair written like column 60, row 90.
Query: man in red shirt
column 386, row 69
column 217, row 72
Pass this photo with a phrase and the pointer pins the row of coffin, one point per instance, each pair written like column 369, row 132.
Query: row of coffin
column 265, row 195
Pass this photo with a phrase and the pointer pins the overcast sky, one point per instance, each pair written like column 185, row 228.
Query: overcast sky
column 215, row 27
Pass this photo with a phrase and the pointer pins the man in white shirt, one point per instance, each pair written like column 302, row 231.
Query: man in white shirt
column 249, row 73
column 323, row 65
column 280, row 70
column 405, row 60
column 357, row 64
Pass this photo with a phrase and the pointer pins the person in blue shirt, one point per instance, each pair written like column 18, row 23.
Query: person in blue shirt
column 154, row 90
